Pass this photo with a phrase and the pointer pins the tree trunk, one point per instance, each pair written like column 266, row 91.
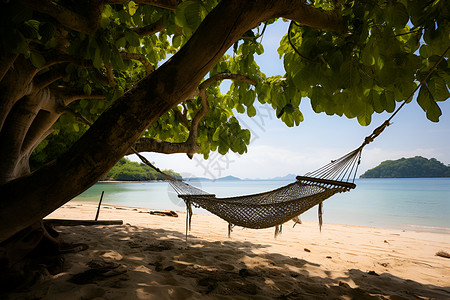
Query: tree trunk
column 30, row 198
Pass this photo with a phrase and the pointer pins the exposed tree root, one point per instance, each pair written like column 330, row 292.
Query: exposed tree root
column 31, row 255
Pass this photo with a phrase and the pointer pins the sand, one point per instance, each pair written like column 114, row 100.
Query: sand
column 147, row 258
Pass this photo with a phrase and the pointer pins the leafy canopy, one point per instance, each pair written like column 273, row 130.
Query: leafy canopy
column 389, row 48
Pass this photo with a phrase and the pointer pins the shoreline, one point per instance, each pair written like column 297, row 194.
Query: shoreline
column 406, row 227
column 257, row 179
column 150, row 251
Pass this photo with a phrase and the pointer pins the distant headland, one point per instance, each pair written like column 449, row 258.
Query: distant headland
column 414, row 167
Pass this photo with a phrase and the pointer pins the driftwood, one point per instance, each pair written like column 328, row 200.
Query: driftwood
column 164, row 213
column 443, row 254
column 67, row 222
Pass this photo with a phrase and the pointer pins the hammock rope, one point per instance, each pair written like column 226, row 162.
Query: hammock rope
column 273, row 208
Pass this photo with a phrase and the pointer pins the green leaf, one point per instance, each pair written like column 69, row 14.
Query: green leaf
column 121, row 42
column 87, row 89
column 189, row 15
column 240, row 108
column 37, row 60
column 390, row 102
column 335, row 60
column 116, row 59
column 132, row 8
column 378, row 101
column 298, row 117
column 30, row 29
column 428, row 104
column 259, row 49
column 132, row 38
column 47, row 30
column 180, row 19
column 97, row 61
column 216, row 134
column 263, row 92
column 124, row 17
column 288, row 120
column 176, row 41
column 425, row 51
column 399, row 16
column 438, row 88
column 251, row 111
column 349, row 74
column 365, row 115
column 84, row 102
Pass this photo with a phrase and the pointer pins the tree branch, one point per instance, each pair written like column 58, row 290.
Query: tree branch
column 55, row 56
column 110, row 76
column 153, row 28
column 44, row 80
column 6, row 62
column 16, row 84
column 182, row 117
column 66, row 17
column 305, row 14
column 139, row 57
column 190, row 146
column 68, row 95
column 158, row 146
column 223, row 76
column 79, row 118
column 41, row 127
column 168, row 4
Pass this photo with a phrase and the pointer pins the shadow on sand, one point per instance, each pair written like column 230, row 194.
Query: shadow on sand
column 145, row 263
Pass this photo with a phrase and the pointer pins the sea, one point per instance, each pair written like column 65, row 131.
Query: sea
column 419, row 204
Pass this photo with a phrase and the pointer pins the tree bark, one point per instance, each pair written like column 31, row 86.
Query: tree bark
column 28, row 199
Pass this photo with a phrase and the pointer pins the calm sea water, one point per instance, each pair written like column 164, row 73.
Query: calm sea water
column 411, row 203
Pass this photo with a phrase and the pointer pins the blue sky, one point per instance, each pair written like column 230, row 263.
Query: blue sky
column 277, row 150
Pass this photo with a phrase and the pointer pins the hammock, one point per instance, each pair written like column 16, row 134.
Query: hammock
column 273, row 208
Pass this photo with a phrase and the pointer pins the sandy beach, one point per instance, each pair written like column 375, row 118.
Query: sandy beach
column 147, row 258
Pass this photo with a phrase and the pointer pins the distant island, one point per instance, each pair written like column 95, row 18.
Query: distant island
column 414, row 167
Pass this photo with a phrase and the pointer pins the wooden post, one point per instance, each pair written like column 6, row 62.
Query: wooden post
column 99, row 203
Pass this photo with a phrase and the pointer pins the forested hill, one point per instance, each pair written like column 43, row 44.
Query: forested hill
column 126, row 170
column 414, row 167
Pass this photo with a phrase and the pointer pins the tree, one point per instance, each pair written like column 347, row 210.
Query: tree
column 68, row 63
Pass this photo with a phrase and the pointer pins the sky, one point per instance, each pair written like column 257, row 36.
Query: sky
column 277, row 150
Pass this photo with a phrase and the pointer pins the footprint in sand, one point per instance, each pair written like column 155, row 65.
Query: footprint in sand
column 107, row 254
column 226, row 267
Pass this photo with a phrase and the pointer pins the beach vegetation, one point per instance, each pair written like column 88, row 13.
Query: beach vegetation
column 127, row 170
column 84, row 83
